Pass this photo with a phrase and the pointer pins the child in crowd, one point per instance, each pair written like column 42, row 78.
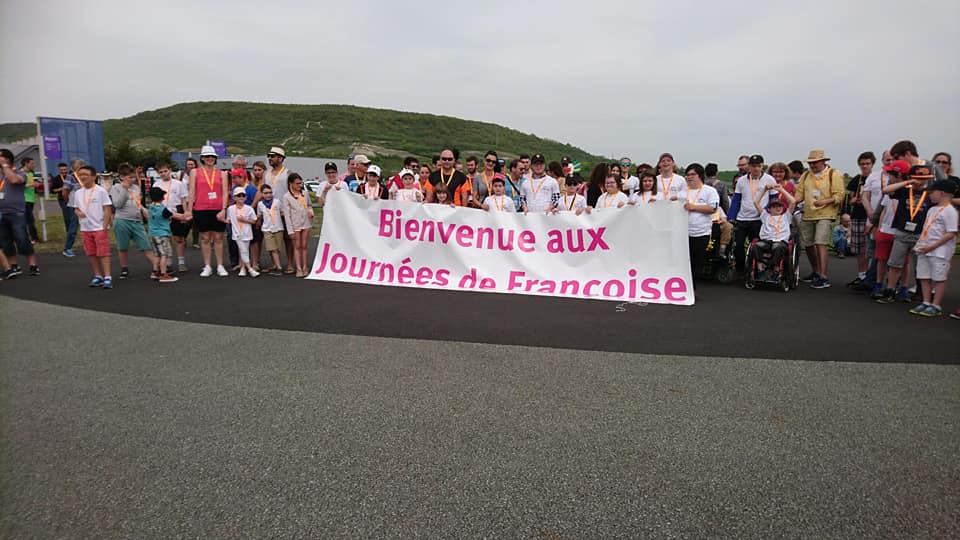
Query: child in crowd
column 298, row 214
column 648, row 189
column 884, row 243
column 571, row 200
column 498, row 201
column 271, row 223
column 841, row 236
column 174, row 198
column 775, row 221
column 158, row 216
column 613, row 197
column 935, row 248
column 409, row 191
column 441, row 195
column 128, row 219
column 241, row 218
column 94, row 210
column 720, row 220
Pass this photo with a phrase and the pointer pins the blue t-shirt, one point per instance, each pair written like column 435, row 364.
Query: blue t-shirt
column 159, row 221
column 251, row 193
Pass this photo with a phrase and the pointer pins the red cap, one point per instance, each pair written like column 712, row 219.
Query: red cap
column 899, row 166
column 239, row 172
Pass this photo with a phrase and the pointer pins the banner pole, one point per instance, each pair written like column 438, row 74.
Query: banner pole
column 43, row 181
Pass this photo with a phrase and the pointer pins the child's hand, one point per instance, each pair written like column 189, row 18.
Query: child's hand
column 81, row 214
column 310, row 213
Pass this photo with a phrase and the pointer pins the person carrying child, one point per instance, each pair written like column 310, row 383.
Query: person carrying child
column 241, row 218
column 161, row 235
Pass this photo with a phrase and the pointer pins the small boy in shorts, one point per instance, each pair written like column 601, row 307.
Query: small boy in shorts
column 271, row 223
column 160, row 234
column 935, row 247
column 94, row 211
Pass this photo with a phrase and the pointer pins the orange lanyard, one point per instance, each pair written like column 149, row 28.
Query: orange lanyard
column 643, row 196
column 403, row 196
column 608, row 199
column 750, row 181
column 666, row 187
column 366, row 191
column 697, row 198
column 914, row 210
column 498, row 200
column 302, row 199
column 487, row 182
column 210, row 179
column 816, row 181
column 87, row 197
column 273, row 213
column 778, row 223
column 931, row 220
column 273, row 177
column 133, row 195
column 537, row 189
column 448, row 180
column 236, row 209
column 570, row 206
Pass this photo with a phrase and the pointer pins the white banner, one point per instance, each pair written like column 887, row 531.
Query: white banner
column 634, row 254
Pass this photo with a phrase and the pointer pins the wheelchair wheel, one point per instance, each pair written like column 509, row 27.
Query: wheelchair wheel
column 725, row 273
column 795, row 264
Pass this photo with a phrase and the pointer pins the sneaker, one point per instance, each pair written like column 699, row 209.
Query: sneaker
column 955, row 314
column 820, row 283
column 855, row 283
column 97, row 281
column 34, row 270
column 167, row 278
column 841, row 255
column 182, row 267
column 904, row 295
column 124, row 273
column 14, row 271
column 254, row 273
column 811, row 277
column 154, row 275
column 207, row 271
column 877, row 291
column 932, row 311
column 68, row 253
column 276, row 272
column 912, row 290
column 887, row 297
column 918, row 309
column 221, row 271
column 242, row 272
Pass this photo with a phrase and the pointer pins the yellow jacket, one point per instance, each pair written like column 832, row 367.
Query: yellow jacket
column 835, row 189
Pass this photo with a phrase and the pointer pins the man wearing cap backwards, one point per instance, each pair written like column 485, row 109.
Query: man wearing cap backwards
column 748, row 222
column 448, row 176
column 359, row 175
column 912, row 206
column 276, row 178
column 539, row 193
column 821, row 190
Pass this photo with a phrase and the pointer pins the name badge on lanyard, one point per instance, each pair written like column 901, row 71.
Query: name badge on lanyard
column 212, row 196
column 910, row 226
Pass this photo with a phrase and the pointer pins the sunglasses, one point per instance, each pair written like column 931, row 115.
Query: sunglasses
column 942, row 162
column 572, row 182
column 494, row 161
column 273, row 155
column 446, row 159
column 239, row 195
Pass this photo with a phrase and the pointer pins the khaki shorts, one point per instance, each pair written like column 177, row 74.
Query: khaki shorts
column 815, row 232
column 273, row 241
column 932, row 267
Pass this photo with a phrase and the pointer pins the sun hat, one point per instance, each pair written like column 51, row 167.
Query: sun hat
column 817, row 155
column 403, row 173
column 278, row 151
column 208, row 150
column 362, row 159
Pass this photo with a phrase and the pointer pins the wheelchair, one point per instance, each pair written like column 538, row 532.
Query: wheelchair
column 761, row 269
column 715, row 266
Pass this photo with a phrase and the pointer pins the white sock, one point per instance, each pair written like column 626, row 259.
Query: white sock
column 862, row 275
column 180, row 260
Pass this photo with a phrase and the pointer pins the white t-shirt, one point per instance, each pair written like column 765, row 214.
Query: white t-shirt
column 272, row 217
column 540, row 193
column 670, row 186
column 645, row 197
column 748, row 190
column 631, row 185
column 874, row 186
column 241, row 231
column 699, row 224
column 91, row 202
column 775, row 228
column 499, row 203
column 890, row 210
column 608, row 201
column 940, row 221
column 571, row 203
column 174, row 193
column 408, row 195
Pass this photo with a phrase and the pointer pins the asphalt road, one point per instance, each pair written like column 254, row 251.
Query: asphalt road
column 114, row 426
column 727, row 321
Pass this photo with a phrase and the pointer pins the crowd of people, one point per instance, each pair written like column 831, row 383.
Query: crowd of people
column 899, row 219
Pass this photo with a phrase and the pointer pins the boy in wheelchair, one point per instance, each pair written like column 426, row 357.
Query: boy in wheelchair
column 775, row 219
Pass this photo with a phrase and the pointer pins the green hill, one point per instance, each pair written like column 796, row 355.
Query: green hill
column 17, row 131
column 325, row 131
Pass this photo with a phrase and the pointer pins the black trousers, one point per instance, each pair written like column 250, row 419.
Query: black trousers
column 744, row 230
column 698, row 254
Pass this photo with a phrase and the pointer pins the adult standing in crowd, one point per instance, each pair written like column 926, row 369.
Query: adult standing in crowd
column 30, row 197
column 872, row 194
column 858, row 214
column 64, row 184
column 483, row 181
column 712, row 170
column 539, row 193
column 13, row 223
column 188, row 166
column 208, row 204
column 595, row 186
column 747, row 216
column 668, row 182
column 514, row 177
column 350, row 168
column 781, row 175
column 359, row 174
column 821, row 192
column 630, row 183
column 700, row 201
column 276, row 178
column 447, row 175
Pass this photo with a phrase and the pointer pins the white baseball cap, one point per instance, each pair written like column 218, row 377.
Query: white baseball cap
column 373, row 169
column 405, row 172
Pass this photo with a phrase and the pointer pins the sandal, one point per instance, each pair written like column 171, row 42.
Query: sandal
column 289, row 271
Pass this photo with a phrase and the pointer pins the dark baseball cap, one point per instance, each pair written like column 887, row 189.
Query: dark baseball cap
column 538, row 158
column 755, row 159
column 329, row 166
column 946, row 186
column 565, row 159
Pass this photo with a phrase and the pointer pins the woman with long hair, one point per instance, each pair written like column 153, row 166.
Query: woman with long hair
column 595, row 186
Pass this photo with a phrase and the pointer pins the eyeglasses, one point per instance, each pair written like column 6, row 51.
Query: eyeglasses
column 239, row 195
column 446, row 159
column 414, row 165
column 572, row 182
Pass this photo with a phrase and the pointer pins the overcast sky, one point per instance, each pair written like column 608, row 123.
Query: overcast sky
column 706, row 81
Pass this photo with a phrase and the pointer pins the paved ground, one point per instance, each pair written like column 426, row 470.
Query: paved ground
column 110, row 431
column 728, row 320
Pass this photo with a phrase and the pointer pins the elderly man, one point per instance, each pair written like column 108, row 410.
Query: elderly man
column 821, row 191
column 358, row 174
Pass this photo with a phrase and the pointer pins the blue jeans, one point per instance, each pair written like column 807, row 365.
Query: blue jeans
column 13, row 236
column 71, row 222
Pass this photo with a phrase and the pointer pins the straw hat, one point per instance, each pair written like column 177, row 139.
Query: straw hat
column 817, row 155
